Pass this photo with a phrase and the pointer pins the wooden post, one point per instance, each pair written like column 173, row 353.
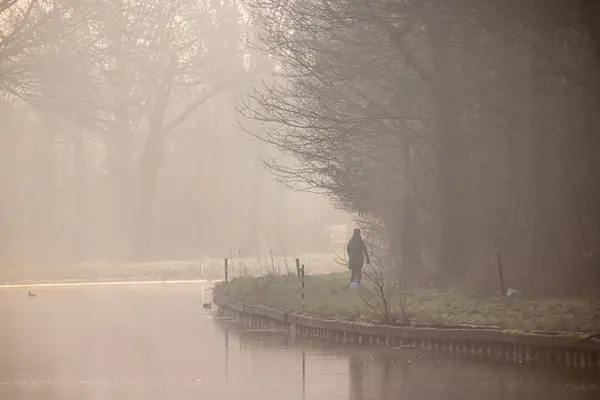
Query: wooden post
column 226, row 273
column 501, row 275
column 297, row 267
column 226, row 349
column 302, row 279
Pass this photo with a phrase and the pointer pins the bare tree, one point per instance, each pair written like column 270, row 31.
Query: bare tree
column 384, row 293
column 413, row 114
column 39, row 53
column 162, row 63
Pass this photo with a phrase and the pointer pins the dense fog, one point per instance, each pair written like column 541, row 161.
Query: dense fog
column 119, row 139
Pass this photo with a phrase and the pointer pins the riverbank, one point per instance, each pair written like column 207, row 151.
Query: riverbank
column 328, row 297
column 205, row 268
column 101, row 272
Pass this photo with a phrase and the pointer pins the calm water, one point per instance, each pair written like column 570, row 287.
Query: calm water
column 144, row 342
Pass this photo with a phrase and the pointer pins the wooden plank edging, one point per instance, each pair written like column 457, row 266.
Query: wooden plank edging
column 415, row 333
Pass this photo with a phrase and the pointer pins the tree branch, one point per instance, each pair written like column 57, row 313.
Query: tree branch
column 194, row 106
column 396, row 35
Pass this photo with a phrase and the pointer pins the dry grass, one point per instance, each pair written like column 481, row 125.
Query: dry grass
column 328, row 296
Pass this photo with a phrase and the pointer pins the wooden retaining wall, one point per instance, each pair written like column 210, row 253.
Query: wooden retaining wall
column 563, row 352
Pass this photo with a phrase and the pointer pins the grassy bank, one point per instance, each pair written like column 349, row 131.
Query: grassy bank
column 110, row 272
column 207, row 268
column 328, row 296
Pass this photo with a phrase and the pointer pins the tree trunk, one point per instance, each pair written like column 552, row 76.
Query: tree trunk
column 149, row 168
column 119, row 150
column 411, row 254
column 119, row 166
column 80, row 196
column 454, row 220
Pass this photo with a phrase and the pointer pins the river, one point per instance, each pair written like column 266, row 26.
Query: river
column 154, row 341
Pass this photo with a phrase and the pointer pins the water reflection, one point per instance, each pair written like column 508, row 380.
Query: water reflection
column 356, row 376
column 155, row 342
column 386, row 374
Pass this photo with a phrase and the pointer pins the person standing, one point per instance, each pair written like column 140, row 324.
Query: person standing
column 357, row 254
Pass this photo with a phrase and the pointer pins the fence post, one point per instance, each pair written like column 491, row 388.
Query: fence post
column 501, row 275
column 226, row 272
column 297, row 267
column 302, row 278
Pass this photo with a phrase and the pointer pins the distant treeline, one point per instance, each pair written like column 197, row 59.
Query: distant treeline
column 118, row 137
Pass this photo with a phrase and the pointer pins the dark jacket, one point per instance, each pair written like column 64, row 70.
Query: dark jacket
column 357, row 251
